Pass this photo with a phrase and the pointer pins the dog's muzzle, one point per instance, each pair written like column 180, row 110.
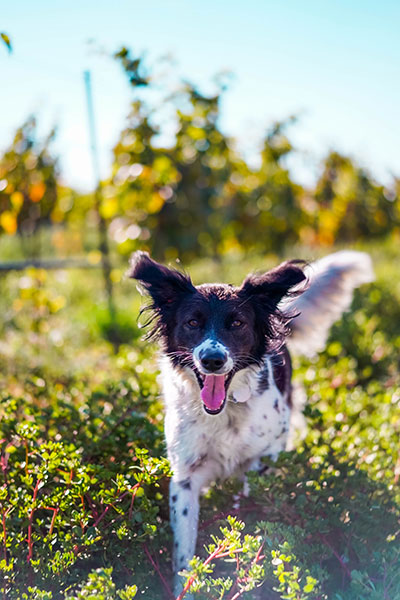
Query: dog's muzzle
column 213, row 369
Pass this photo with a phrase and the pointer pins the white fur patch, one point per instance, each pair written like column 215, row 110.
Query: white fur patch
column 212, row 344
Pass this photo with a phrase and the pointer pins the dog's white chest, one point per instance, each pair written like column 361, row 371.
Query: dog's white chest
column 256, row 428
column 216, row 446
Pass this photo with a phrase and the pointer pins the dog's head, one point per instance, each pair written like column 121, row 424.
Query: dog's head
column 216, row 329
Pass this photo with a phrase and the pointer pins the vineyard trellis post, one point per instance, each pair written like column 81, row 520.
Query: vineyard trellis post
column 102, row 225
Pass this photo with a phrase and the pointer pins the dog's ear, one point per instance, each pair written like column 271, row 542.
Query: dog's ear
column 275, row 284
column 165, row 286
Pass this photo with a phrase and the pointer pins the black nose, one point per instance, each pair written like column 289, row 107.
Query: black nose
column 213, row 360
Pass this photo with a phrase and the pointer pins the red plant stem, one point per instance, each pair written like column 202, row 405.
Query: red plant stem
column 257, row 557
column 157, row 569
column 26, row 456
column 336, row 554
column 3, row 515
column 134, row 492
column 205, row 563
column 92, row 507
column 30, row 543
column 3, row 463
column 103, row 514
column 107, row 508
column 55, row 513
column 397, row 471
column 230, row 552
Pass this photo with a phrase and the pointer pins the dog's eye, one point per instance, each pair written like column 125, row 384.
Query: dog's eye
column 236, row 323
column 193, row 323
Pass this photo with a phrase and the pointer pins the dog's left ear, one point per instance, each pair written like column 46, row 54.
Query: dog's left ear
column 275, row 284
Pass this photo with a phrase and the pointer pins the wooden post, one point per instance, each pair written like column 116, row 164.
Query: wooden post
column 102, row 225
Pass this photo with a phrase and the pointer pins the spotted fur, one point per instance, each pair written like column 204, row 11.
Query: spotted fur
column 239, row 334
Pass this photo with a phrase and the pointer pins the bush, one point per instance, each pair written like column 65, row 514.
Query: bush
column 84, row 485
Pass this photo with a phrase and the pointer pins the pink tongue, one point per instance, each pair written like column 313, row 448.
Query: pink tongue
column 213, row 392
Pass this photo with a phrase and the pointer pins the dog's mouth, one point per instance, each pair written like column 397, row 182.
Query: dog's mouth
column 213, row 390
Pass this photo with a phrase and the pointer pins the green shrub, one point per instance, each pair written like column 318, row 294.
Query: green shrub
column 84, row 485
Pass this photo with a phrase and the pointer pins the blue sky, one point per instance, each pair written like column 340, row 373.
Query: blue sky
column 335, row 63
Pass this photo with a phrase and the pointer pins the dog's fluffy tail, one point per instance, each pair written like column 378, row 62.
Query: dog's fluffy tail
column 331, row 282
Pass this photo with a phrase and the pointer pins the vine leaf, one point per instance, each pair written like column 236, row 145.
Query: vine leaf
column 6, row 40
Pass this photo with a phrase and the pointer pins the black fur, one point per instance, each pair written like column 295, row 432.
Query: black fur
column 282, row 368
column 263, row 380
column 265, row 291
column 176, row 303
column 165, row 286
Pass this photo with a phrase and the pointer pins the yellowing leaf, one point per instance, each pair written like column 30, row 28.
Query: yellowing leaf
column 196, row 133
column 8, row 221
column 109, row 208
column 17, row 200
column 57, row 303
column 36, row 191
column 155, row 204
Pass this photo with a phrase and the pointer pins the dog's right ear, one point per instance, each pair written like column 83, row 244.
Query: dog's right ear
column 165, row 286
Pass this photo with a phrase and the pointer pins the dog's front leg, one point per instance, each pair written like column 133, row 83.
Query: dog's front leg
column 184, row 511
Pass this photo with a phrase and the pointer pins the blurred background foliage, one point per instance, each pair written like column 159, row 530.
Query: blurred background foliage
column 29, row 186
column 196, row 196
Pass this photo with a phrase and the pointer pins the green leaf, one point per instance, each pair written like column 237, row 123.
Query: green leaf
column 6, row 40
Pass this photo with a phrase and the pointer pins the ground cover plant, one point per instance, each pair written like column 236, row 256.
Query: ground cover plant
column 84, row 481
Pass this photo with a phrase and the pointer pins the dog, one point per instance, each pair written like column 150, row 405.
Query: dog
column 226, row 368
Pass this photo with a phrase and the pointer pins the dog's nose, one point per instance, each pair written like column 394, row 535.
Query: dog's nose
column 214, row 360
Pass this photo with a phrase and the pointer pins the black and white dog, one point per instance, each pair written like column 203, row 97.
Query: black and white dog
column 226, row 370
